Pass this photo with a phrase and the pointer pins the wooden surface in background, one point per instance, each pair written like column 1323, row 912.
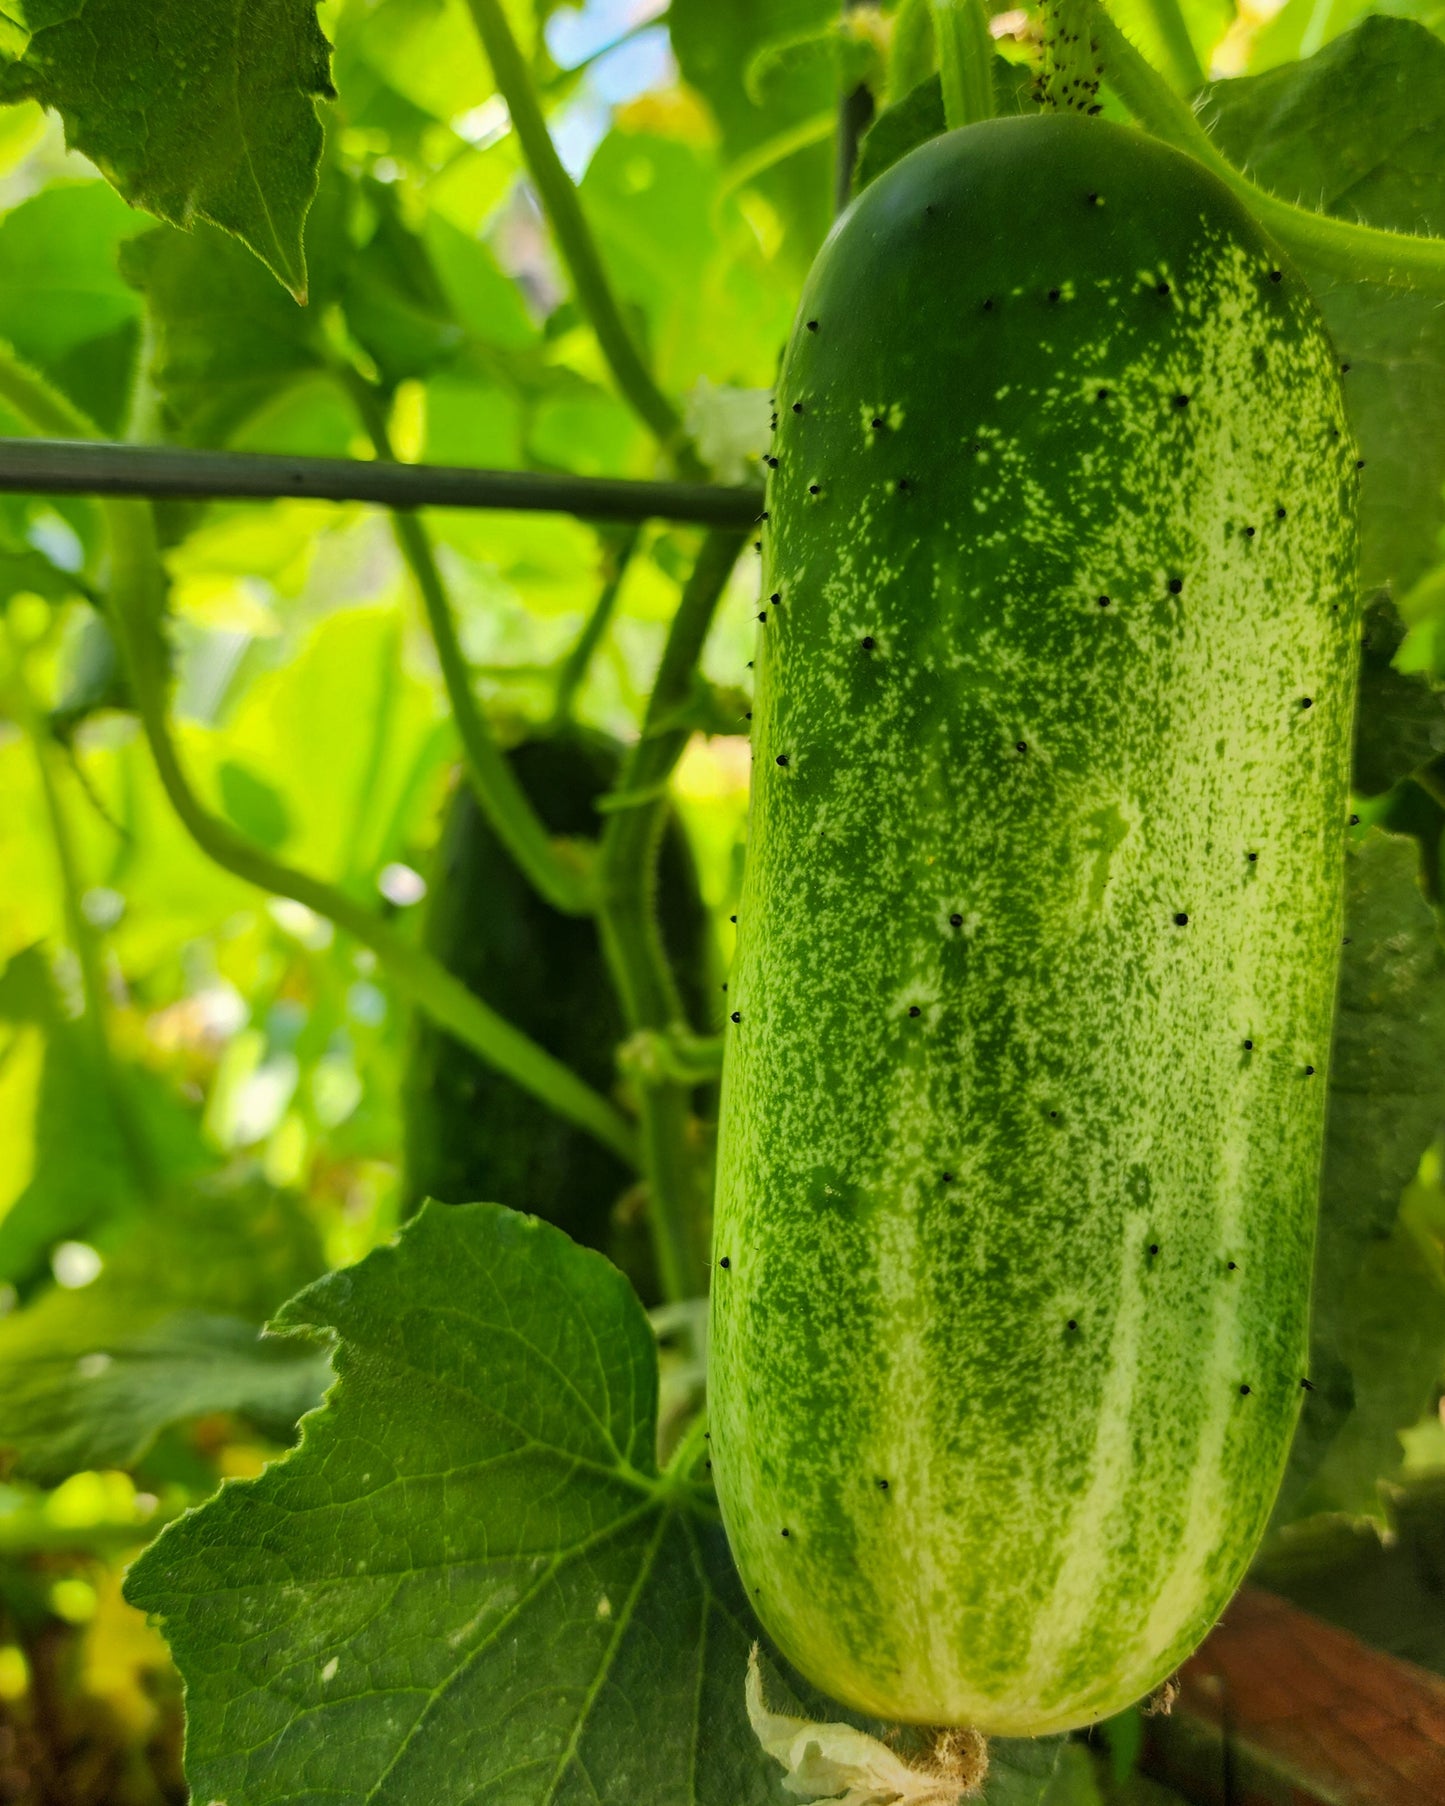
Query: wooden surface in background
column 1281, row 1709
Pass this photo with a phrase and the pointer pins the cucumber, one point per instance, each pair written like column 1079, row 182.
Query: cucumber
column 468, row 1132
column 1023, row 1093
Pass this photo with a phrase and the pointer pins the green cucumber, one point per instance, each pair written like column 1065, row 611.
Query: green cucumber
column 468, row 1132
column 1024, row 1088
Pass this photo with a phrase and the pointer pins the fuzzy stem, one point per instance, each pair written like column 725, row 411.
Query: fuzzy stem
column 629, row 928
column 555, row 870
column 578, row 248
column 1355, row 253
column 617, row 553
column 965, row 61
column 911, row 56
column 136, row 596
column 1183, row 68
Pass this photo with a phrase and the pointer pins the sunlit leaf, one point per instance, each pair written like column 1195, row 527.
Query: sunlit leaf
column 63, row 303
column 226, row 339
column 189, row 116
column 99, row 1137
column 715, row 46
column 338, row 737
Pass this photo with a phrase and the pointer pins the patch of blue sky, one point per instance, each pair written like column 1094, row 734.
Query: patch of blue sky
column 629, row 58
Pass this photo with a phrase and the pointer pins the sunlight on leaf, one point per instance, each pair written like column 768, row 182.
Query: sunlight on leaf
column 189, row 116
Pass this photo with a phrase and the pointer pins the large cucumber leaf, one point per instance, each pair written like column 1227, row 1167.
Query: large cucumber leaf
column 470, row 1581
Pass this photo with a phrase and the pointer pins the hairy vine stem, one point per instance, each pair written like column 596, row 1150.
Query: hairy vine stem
column 136, row 592
column 1182, row 65
column 617, row 552
column 965, row 61
column 627, row 860
column 640, row 969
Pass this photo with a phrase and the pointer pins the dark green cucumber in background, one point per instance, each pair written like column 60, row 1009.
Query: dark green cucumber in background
column 1037, row 951
column 471, row 1134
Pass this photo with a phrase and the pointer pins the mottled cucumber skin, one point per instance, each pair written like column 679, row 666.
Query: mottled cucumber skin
column 1023, row 1099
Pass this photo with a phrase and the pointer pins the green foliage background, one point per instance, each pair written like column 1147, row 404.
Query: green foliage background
column 234, row 1135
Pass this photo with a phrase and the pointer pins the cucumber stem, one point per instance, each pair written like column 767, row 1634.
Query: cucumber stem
column 1183, row 68
column 137, row 588
column 617, row 551
column 627, row 869
column 965, row 61
column 911, row 56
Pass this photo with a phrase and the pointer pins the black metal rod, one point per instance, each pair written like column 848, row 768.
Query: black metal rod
column 96, row 467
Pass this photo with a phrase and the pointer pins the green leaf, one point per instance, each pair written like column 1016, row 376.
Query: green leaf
column 709, row 302
column 1301, row 27
column 1074, row 1783
column 168, row 1330
column 26, row 571
column 715, row 45
column 1386, row 1590
column 1359, row 131
column 843, row 56
column 227, row 341
column 919, row 116
column 346, row 740
column 1378, row 1333
column 90, row 678
column 1400, row 718
column 405, row 62
column 468, row 423
column 486, row 303
column 63, row 303
column 255, row 806
column 89, row 1389
column 394, row 303
column 469, row 1580
column 193, row 112
column 79, row 1170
